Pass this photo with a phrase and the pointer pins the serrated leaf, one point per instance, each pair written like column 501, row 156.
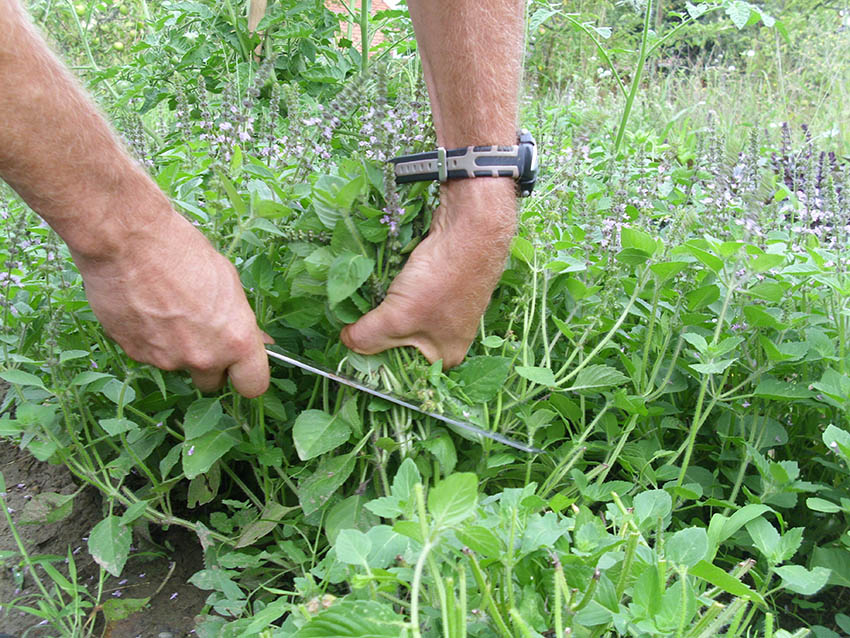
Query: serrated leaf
column 453, row 500
column 316, row 432
column 596, row 378
column 109, row 544
column 481, row 378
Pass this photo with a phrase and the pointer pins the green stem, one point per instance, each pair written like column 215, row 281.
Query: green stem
column 365, row 11
column 642, row 55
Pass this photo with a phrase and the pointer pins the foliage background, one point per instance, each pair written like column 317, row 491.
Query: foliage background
column 671, row 329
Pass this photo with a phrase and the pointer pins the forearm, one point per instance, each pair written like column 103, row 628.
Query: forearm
column 58, row 152
column 472, row 59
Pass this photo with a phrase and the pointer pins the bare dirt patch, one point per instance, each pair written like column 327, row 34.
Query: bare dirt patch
column 158, row 570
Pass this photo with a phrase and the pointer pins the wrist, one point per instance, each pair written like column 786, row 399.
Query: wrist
column 115, row 218
column 485, row 205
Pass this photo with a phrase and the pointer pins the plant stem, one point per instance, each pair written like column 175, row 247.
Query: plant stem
column 644, row 41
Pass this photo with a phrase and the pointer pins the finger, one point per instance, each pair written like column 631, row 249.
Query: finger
column 267, row 338
column 369, row 334
column 208, row 380
column 250, row 375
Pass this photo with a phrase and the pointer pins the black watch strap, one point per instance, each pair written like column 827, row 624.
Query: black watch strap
column 458, row 163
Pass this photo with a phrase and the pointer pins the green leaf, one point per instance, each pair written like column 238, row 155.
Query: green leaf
column 651, row 505
column 134, row 512
column 687, row 547
column 315, row 490
column 202, row 416
column 238, row 202
column 837, row 440
column 19, row 377
column 200, row 454
column 724, row 581
column 765, row 538
column 781, row 390
column 536, row 374
column 90, row 376
column 666, row 269
column 767, row 290
column 701, row 297
column 352, row 547
column 268, row 520
column 715, row 367
column 763, row 318
column 523, row 250
column 836, row 559
column 802, row 581
column 638, row 239
column 109, row 544
column 119, row 393
column 712, row 261
column 115, row 427
column 766, row 262
column 453, row 500
column 596, row 378
column 316, row 432
column 481, row 540
column 354, row 619
column 347, row 273
column 822, row 505
column 481, row 378
column 739, row 12
column 405, row 479
column 696, row 340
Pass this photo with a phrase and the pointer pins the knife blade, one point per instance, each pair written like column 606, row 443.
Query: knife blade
column 315, row 368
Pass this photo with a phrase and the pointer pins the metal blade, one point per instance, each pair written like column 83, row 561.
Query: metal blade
column 333, row 376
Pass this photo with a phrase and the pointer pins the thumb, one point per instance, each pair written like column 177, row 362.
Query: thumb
column 368, row 334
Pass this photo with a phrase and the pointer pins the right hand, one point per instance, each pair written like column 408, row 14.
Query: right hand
column 171, row 300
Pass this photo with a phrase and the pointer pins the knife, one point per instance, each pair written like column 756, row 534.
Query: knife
column 315, row 368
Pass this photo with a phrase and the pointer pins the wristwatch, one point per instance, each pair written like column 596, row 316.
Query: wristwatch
column 518, row 161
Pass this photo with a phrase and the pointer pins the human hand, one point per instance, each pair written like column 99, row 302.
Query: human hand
column 171, row 300
column 437, row 300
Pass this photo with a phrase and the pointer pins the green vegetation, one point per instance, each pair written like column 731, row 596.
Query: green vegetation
column 671, row 329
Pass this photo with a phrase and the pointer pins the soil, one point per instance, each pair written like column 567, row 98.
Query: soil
column 155, row 572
